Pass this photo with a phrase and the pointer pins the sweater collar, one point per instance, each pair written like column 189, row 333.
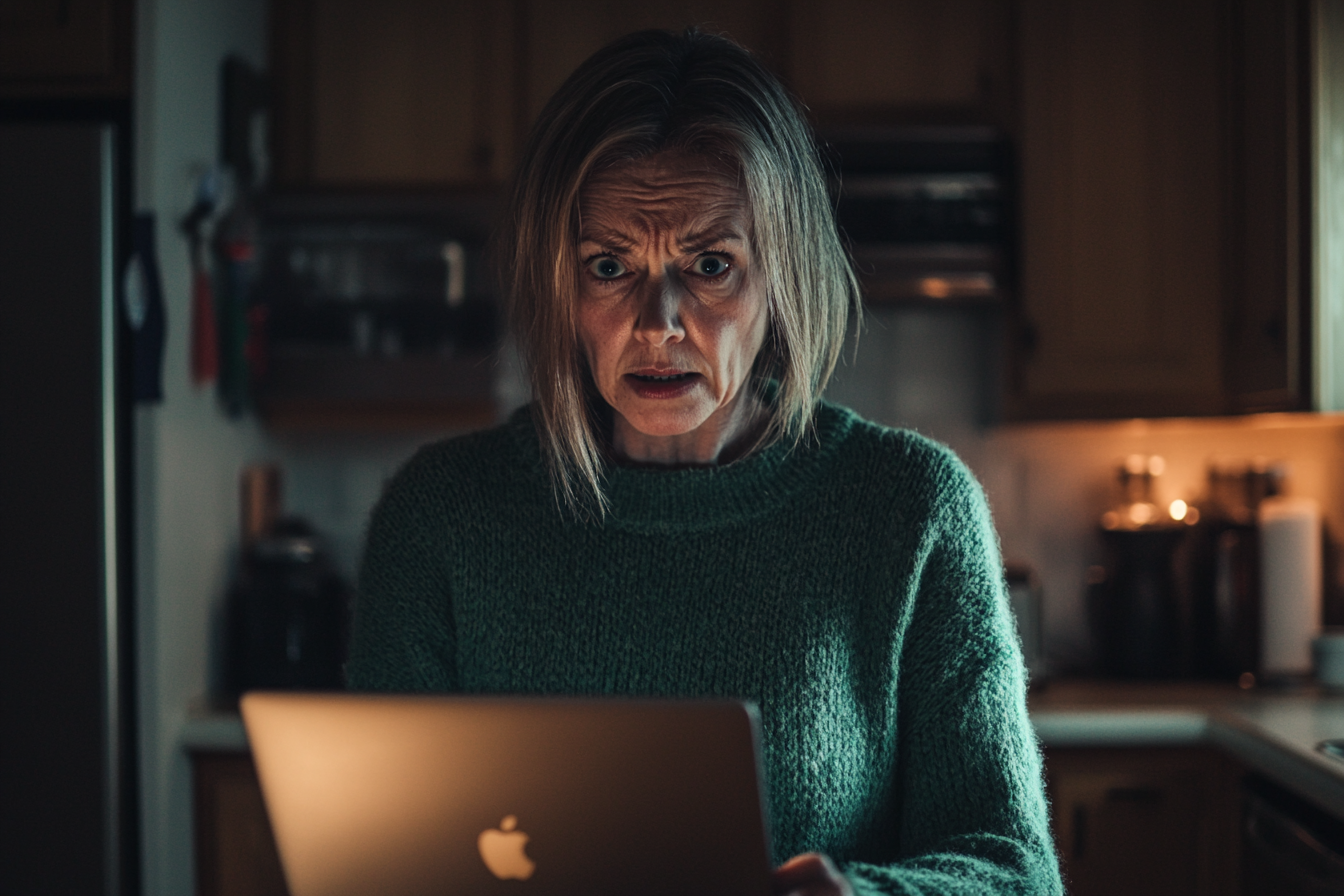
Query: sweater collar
column 655, row 500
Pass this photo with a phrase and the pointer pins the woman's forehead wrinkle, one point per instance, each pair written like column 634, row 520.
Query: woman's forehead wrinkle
column 596, row 231
column 624, row 224
column 683, row 208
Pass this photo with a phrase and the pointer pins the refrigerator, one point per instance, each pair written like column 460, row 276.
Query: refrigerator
column 67, row 791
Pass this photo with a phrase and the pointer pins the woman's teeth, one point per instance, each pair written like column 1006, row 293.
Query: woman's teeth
column 663, row 379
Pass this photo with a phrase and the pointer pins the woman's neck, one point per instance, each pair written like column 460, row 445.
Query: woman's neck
column 726, row 436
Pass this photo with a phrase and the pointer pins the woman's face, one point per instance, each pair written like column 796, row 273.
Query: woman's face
column 672, row 311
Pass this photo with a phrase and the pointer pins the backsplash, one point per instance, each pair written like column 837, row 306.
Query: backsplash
column 934, row 370
column 1049, row 483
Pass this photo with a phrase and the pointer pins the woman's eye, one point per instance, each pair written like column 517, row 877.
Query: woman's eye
column 710, row 265
column 606, row 268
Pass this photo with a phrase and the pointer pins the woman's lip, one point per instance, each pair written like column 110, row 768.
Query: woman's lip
column 655, row 371
column 661, row 388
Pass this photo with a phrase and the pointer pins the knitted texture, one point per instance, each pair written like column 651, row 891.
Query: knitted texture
column 851, row 587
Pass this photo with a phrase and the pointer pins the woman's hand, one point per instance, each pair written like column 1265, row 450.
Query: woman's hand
column 810, row 874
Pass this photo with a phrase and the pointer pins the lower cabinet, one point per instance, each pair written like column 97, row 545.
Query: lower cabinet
column 1150, row 821
column 1146, row 820
column 235, row 848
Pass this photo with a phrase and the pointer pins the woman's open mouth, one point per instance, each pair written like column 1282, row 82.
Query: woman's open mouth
column 661, row 385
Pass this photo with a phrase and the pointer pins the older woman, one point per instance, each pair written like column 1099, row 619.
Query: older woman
column 677, row 513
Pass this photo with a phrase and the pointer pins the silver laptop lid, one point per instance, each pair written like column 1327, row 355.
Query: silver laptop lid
column 403, row 796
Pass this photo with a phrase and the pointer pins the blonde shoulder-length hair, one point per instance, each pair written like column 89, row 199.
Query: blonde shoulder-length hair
column 689, row 92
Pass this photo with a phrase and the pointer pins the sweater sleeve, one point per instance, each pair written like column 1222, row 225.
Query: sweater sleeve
column 403, row 637
column 972, row 812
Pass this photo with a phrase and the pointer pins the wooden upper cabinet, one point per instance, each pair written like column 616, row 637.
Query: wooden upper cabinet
column 65, row 48
column 1122, row 208
column 441, row 93
column 398, row 93
column 912, row 58
column 1163, row 204
column 1160, row 208
column 1268, row 362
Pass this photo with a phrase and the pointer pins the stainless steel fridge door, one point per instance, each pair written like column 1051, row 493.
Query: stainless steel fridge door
column 62, row 785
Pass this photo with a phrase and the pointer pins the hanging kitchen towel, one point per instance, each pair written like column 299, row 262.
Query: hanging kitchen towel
column 204, row 336
column 204, row 344
column 142, row 302
column 235, row 257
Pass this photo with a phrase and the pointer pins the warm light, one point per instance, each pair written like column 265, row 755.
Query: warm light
column 1192, row 516
column 935, row 287
column 1140, row 513
column 1178, row 509
column 1110, row 520
column 1135, row 464
column 1156, row 464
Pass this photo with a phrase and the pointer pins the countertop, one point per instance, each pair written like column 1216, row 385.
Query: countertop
column 1271, row 732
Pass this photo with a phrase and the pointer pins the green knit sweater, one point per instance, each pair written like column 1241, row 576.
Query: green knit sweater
column 851, row 587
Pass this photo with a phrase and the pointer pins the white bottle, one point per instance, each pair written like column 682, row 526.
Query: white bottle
column 1290, row 584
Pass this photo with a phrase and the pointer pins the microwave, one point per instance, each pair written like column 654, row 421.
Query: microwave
column 926, row 211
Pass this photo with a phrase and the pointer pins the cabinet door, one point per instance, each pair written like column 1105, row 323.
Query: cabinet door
column 1152, row 821
column 395, row 93
column 65, row 48
column 235, row 848
column 1268, row 362
column 866, row 59
column 1123, row 209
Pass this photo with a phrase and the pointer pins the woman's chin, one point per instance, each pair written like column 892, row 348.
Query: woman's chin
column 662, row 417
column 664, row 424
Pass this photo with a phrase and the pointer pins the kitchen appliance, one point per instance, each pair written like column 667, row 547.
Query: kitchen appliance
column 1137, row 605
column 1289, row 846
column 67, row 759
column 927, row 211
column 1136, row 615
column 289, row 610
column 1224, row 570
column 290, row 613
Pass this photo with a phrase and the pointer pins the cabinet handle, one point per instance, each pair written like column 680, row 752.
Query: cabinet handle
column 1079, row 831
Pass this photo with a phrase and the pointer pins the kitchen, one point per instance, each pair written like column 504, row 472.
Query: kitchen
column 1161, row 381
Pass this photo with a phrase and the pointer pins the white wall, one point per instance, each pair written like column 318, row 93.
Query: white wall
column 187, row 452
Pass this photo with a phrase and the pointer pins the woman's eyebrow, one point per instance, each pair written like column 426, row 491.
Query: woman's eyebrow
column 605, row 236
column 700, row 240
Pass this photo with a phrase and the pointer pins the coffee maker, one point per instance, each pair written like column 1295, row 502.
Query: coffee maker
column 1138, row 601
column 1224, row 564
column 289, row 609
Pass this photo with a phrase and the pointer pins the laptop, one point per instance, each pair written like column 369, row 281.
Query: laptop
column 420, row 795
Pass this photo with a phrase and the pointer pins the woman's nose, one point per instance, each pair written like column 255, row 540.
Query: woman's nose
column 659, row 320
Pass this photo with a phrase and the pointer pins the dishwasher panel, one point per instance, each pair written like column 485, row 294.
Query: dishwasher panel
column 1289, row 847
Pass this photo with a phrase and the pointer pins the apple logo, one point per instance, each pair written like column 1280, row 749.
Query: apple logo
column 502, row 851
